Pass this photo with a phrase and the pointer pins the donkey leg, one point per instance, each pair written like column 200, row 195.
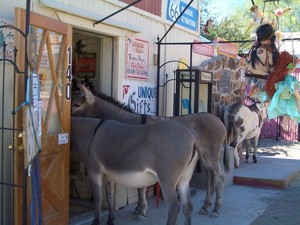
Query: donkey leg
column 236, row 157
column 219, row 184
column 111, row 213
column 171, row 200
column 255, row 142
column 247, row 150
column 184, row 190
column 142, row 207
column 185, row 199
column 207, row 202
column 96, row 181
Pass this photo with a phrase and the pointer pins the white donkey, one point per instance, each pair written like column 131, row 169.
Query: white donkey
column 244, row 123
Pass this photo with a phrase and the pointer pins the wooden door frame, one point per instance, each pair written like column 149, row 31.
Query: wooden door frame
column 60, row 27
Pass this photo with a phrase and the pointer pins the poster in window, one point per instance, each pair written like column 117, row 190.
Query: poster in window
column 137, row 58
column 86, row 65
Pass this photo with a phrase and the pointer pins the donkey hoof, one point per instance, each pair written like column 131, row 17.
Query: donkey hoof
column 254, row 159
column 109, row 222
column 214, row 214
column 140, row 217
column 203, row 211
column 96, row 222
column 135, row 212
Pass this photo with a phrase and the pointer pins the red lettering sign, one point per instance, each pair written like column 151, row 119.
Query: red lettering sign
column 229, row 49
column 203, row 49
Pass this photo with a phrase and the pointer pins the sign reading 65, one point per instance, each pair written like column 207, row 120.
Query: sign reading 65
column 173, row 9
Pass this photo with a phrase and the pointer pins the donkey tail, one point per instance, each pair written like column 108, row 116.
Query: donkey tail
column 226, row 159
column 206, row 165
column 229, row 124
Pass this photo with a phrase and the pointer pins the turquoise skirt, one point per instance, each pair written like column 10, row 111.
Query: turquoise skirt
column 283, row 102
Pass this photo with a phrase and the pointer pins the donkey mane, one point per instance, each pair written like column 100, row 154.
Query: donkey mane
column 115, row 102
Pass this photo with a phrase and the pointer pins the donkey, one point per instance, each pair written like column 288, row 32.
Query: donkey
column 244, row 123
column 209, row 128
column 138, row 156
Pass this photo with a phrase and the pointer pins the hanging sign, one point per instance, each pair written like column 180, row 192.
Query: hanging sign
column 228, row 49
column 86, row 65
column 203, row 49
column 33, row 119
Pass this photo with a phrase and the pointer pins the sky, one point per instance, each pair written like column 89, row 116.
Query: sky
column 225, row 6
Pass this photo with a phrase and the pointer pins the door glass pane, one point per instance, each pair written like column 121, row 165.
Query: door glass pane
column 50, row 72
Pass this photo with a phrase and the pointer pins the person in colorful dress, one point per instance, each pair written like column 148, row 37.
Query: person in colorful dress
column 261, row 59
column 283, row 91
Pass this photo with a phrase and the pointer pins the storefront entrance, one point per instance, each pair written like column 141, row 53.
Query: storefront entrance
column 93, row 60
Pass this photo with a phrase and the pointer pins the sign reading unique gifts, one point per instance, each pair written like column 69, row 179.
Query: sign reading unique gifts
column 140, row 96
column 137, row 58
column 86, row 65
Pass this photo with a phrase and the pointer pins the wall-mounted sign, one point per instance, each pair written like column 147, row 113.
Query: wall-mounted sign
column 189, row 19
column 228, row 49
column 205, row 76
column 137, row 58
column 86, row 65
column 225, row 82
column 140, row 96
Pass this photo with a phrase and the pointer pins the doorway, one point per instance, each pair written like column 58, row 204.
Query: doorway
column 93, row 66
column 93, row 62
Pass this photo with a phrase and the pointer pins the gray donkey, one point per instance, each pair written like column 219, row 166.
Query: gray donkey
column 138, row 156
column 209, row 128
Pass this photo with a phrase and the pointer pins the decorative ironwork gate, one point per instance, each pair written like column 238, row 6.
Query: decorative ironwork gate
column 11, row 134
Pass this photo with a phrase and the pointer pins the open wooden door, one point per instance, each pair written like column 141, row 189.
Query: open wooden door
column 53, row 42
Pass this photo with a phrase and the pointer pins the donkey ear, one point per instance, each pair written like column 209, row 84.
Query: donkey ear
column 88, row 95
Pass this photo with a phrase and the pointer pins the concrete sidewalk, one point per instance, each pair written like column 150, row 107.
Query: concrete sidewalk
column 257, row 188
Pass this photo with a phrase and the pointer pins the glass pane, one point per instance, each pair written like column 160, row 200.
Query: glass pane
column 203, row 98
column 187, row 92
column 50, row 74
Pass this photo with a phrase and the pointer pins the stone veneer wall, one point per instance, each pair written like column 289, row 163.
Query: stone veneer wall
column 237, row 92
column 237, row 82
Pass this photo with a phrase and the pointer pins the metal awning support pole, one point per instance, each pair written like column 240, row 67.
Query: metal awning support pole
column 158, row 55
column 158, row 77
column 120, row 10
